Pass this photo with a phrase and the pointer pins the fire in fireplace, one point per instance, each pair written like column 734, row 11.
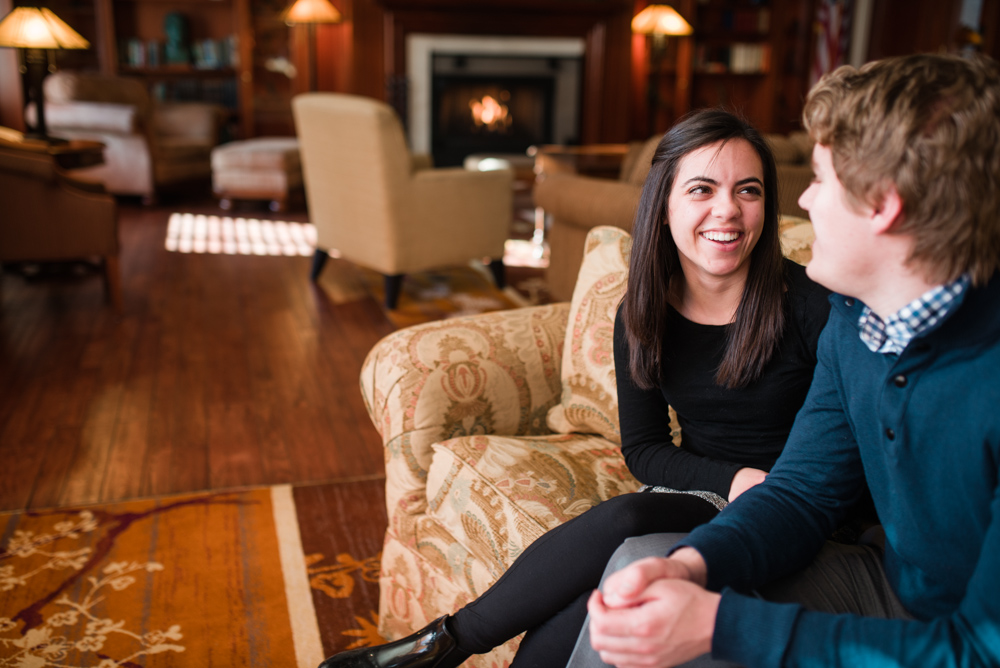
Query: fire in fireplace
column 496, row 104
column 490, row 113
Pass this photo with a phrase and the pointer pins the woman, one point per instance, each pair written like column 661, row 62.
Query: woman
column 716, row 323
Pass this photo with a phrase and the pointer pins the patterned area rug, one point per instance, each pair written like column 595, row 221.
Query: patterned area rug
column 272, row 576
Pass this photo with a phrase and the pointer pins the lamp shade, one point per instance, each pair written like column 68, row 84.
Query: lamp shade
column 660, row 20
column 311, row 11
column 38, row 28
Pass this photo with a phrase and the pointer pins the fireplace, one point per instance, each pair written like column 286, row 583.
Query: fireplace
column 492, row 95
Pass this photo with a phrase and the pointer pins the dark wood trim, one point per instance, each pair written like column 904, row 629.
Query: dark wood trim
column 990, row 22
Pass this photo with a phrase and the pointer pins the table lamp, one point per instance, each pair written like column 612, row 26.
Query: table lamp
column 311, row 12
column 35, row 31
column 658, row 21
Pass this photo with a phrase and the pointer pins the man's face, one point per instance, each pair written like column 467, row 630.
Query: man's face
column 840, row 254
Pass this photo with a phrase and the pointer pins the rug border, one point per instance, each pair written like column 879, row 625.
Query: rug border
column 298, row 593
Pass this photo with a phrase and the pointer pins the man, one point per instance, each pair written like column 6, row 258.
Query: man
column 905, row 397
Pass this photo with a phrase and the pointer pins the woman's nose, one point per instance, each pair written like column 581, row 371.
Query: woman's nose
column 726, row 208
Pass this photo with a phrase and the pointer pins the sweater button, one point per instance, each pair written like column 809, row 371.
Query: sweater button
column 849, row 302
column 890, row 434
column 900, row 380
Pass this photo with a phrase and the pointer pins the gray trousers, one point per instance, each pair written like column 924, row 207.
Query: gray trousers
column 842, row 579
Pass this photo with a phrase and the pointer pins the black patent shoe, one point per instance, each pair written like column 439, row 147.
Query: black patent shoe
column 430, row 647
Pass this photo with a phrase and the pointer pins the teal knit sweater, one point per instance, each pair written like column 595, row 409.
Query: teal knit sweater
column 923, row 428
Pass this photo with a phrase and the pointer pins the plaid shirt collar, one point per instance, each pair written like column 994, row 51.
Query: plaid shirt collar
column 893, row 334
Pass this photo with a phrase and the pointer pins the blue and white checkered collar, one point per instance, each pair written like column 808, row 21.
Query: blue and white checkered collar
column 894, row 333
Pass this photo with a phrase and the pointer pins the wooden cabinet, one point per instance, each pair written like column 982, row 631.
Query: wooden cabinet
column 213, row 65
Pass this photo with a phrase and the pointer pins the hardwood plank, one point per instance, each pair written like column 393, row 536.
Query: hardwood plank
column 128, row 452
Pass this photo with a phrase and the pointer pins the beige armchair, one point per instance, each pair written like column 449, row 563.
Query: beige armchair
column 148, row 145
column 49, row 216
column 577, row 202
column 371, row 203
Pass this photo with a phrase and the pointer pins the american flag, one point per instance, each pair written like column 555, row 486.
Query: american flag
column 833, row 34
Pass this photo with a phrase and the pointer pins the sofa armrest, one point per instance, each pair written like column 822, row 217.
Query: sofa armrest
column 585, row 202
column 493, row 373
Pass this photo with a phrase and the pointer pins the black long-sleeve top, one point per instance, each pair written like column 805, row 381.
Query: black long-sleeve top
column 722, row 430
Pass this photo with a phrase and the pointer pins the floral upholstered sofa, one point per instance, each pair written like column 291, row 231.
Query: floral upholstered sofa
column 498, row 427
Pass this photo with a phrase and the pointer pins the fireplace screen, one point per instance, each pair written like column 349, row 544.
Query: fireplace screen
column 489, row 115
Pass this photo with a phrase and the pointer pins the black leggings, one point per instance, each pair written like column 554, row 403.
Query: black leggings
column 545, row 590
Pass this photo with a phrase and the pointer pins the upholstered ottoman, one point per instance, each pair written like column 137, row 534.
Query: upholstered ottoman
column 265, row 168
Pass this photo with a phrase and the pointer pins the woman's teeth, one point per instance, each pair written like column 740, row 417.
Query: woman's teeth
column 721, row 236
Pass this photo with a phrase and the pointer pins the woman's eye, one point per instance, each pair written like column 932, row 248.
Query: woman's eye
column 751, row 190
column 699, row 190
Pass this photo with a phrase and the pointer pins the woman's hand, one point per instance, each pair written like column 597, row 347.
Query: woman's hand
column 743, row 480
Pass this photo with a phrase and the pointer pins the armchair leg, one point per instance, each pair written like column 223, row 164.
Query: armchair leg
column 319, row 261
column 393, row 284
column 113, row 282
column 499, row 274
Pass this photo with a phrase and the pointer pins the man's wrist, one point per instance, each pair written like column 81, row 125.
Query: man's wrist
column 693, row 563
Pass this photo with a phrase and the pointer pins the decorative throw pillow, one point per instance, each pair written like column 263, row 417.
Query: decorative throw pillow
column 589, row 395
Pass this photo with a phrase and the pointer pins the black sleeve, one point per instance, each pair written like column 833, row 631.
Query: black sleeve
column 647, row 447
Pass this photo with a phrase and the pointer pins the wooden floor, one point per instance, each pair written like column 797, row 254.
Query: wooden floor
column 222, row 371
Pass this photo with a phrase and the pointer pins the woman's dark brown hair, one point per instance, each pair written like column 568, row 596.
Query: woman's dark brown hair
column 754, row 334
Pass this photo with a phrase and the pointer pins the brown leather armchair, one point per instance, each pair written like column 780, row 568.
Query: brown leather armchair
column 149, row 145
column 47, row 215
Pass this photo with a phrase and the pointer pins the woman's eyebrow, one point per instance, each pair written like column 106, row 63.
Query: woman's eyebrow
column 705, row 179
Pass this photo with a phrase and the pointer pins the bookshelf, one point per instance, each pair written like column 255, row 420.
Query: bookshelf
column 214, row 65
column 747, row 55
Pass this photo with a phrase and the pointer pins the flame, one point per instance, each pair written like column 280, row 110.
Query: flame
column 491, row 113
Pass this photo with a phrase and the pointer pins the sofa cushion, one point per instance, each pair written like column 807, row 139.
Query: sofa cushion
column 589, row 402
column 497, row 494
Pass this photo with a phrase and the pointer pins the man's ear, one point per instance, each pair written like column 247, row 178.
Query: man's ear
column 888, row 210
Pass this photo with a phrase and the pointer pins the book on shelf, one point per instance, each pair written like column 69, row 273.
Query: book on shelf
column 736, row 58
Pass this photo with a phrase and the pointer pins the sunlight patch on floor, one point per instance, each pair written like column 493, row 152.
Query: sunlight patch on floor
column 223, row 235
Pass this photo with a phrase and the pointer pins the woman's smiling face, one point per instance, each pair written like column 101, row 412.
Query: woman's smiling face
column 716, row 210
